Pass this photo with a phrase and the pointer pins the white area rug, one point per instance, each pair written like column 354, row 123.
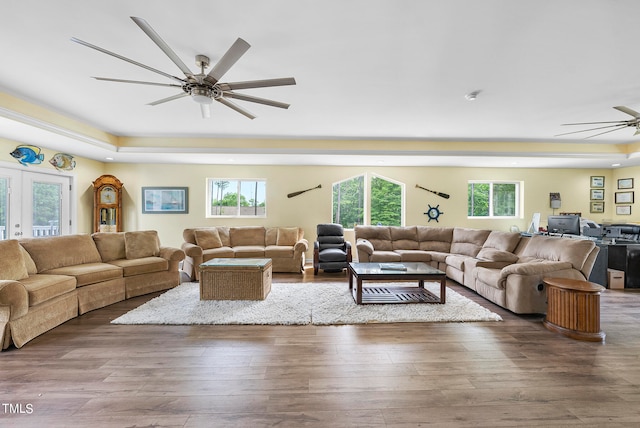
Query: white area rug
column 299, row 303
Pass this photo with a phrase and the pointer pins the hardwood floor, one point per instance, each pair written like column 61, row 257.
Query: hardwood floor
column 88, row 372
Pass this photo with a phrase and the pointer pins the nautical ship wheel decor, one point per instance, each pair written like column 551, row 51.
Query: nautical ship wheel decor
column 434, row 212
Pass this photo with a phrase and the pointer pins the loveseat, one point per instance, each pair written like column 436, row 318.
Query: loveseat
column 47, row 281
column 503, row 267
column 285, row 246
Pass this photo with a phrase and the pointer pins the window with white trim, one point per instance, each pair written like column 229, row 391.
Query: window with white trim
column 491, row 199
column 368, row 199
column 232, row 197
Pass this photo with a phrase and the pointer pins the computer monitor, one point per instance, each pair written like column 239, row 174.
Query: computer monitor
column 564, row 224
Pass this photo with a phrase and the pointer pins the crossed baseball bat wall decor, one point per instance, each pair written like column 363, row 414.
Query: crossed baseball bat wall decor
column 300, row 192
column 442, row 195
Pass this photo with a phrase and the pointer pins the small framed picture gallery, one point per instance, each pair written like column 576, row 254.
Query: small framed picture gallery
column 597, row 207
column 597, row 181
column 625, row 183
column 623, row 210
column 624, row 197
column 597, row 194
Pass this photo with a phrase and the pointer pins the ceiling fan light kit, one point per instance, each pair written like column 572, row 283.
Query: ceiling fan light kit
column 203, row 88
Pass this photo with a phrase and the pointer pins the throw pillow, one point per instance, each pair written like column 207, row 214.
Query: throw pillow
column 110, row 245
column 287, row 236
column 208, row 238
column 11, row 262
column 141, row 244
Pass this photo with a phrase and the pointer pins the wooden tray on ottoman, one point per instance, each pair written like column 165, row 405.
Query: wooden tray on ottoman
column 235, row 279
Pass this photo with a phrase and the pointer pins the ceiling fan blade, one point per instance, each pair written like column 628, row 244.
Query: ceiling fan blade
column 144, row 26
column 235, row 107
column 605, row 132
column 620, row 126
column 621, row 122
column 227, row 61
column 206, row 110
column 99, row 49
column 258, row 83
column 108, row 79
column 255, row 99
column 628, row 111
column 164, row 100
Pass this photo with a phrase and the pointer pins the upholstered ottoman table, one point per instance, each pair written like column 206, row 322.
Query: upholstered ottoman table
column 235, row 279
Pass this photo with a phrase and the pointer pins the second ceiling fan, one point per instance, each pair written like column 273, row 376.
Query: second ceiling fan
column 203, row 88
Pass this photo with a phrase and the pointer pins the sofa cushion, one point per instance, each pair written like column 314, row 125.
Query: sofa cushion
column 110, row 245
column 404, row 238
column 59, row 251
column 244, row 251
column 468, row 242
column 278, row 251
column 504, row 241
column 435, row 238
column 207, row 238
column 496, row 255
column 287, row 236
column 89, row 273
column 378, row 236
column 28, row 262
column 11, row 261
column 141, row 244
column 414, row 256
column 42, row 287
column 131, row 267
column 385, row 256
column 247, row 235
column 573, row 251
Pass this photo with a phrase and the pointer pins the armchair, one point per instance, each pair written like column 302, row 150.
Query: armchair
column 331, row 252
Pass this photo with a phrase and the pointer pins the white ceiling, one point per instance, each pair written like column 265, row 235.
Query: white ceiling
column 365, row 69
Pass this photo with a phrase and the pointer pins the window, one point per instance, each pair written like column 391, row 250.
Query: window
column 236, row 198
column 371, row 200
column 493, row 199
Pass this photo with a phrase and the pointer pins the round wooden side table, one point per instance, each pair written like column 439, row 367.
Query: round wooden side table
column 573, row 308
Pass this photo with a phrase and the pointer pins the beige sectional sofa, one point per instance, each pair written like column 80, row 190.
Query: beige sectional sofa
column 285, row 246
column 47, row 281
column 503, row 267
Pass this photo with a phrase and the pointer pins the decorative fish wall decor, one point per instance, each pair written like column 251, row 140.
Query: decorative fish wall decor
column 26, row 154
column 63, row 162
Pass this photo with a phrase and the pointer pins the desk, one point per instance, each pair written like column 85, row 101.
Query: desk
column 573, row 308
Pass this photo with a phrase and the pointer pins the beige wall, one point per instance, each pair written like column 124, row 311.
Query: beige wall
column 313, row 207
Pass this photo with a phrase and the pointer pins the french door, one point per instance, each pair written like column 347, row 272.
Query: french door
column 34, row 204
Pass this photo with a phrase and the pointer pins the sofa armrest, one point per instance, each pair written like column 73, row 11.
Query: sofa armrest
column 13, row 295
column 534, row 268
column 192, row 250
column 491, row 264
column 364, row 245
column 172, row 254
column 301, row 246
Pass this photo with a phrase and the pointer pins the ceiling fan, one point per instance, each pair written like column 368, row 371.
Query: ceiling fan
column 619, row 124
column 202, row 88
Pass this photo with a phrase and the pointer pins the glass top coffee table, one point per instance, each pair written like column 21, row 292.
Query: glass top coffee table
column 413, row 271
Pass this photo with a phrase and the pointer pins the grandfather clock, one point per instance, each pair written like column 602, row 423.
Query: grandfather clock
column 107, row 204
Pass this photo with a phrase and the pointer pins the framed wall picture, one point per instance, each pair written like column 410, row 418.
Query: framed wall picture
column 597, row 194
column 624, row 197
column 597, row 207
column 625, row 183
column 165, row 200
column 623, row 210
column 597, row 181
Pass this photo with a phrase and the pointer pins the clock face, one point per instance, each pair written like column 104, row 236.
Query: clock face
column 108, row 195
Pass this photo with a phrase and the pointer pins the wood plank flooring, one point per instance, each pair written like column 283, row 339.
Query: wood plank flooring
column 88, row 372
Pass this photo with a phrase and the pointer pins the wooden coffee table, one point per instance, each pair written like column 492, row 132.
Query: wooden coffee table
column 414, row 271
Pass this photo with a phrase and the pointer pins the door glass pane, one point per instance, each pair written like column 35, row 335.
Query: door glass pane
column 46, row 209
column 4, row 208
